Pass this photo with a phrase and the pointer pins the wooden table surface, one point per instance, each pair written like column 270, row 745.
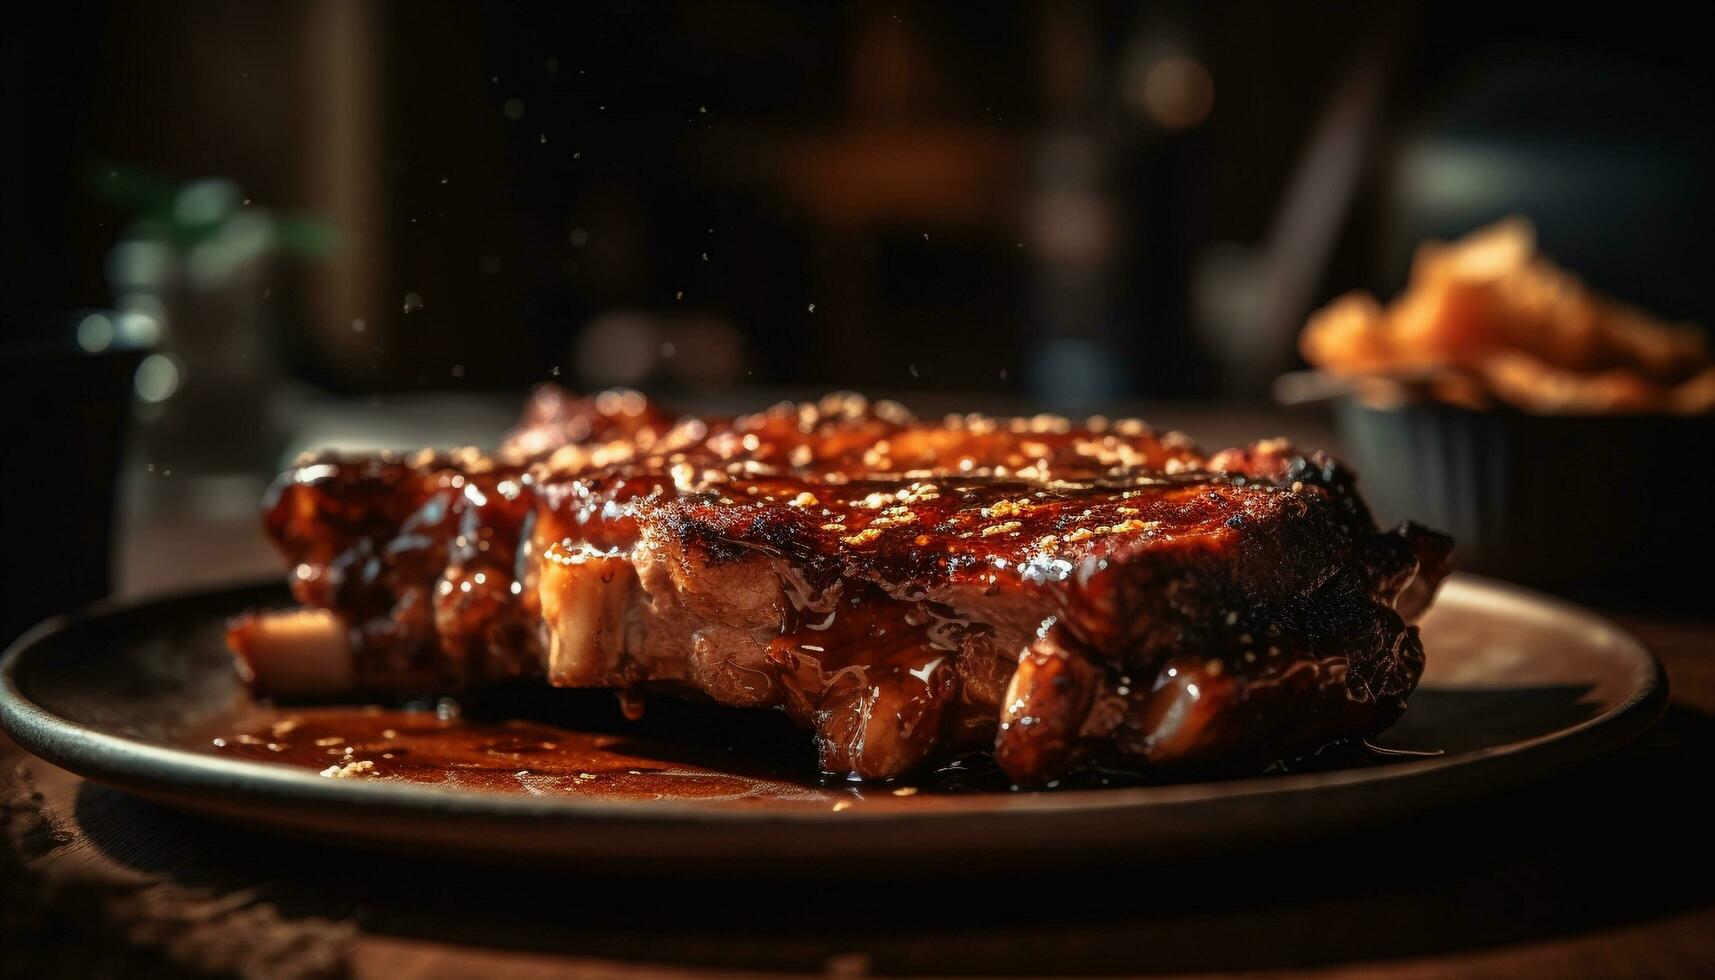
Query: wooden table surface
column 1604, row 871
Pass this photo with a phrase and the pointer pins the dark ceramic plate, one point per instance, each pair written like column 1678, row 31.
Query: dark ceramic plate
column 1518, row 685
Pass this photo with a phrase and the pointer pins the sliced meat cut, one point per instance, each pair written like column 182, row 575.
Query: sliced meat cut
column 1061, row 594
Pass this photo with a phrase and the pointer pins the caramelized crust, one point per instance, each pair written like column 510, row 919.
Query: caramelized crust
column 1062, row 594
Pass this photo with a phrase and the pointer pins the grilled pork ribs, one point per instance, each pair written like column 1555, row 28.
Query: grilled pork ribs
column 1061, row 595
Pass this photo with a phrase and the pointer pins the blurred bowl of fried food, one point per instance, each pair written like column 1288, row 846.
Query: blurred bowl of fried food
column 1564, row 439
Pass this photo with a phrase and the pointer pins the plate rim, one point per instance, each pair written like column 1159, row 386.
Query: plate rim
column 143, row 767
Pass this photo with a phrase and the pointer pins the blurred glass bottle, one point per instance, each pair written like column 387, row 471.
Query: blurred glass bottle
column 193, row 279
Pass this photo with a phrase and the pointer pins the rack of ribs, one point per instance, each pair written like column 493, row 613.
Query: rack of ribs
column 1061, row 595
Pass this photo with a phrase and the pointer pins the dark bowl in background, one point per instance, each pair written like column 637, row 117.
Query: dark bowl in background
column 65, row 414
column 1616, row 506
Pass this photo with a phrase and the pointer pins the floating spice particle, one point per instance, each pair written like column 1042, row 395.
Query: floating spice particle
column 863, row 537
column 842, row 805
column 1005, row 528
column 805, row 499
column 905, row 791
column 330, row 740
column 1080, row 534
column 833, row 527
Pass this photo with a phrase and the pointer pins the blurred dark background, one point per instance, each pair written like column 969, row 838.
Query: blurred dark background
column 295, row 212
column 1071, row 201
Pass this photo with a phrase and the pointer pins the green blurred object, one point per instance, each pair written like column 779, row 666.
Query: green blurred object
column 201, row 211
column 193, row 280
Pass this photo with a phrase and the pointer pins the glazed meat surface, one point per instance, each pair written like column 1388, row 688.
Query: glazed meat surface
column 1062, row 595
